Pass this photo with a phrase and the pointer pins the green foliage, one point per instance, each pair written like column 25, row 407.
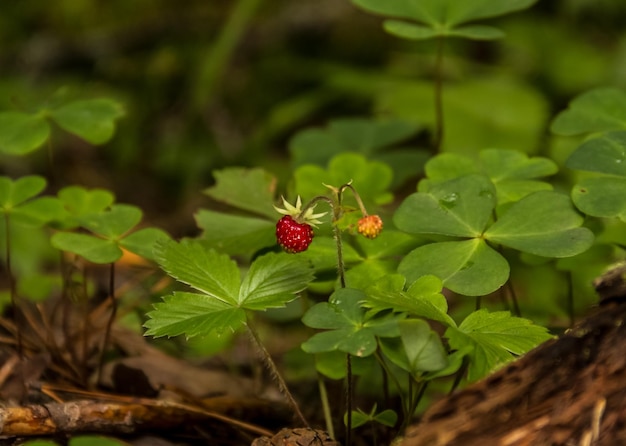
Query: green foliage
column 442, row 18
column 223, row 298
column 110, row 230
column 597, row 110
column 542, row 223
column 92, row 120
column 17, row 201
column 494, row 338
column 350, row 328
column 386, row 417
column 81, row 440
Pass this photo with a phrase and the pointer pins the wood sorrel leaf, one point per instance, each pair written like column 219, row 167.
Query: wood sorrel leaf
column 442, row 17
column 94, row 249
column 422, row 346
column 350, row 330
column 17, row 199
column 468, row 267
column 543, row 223
column 190, row 262
column 14, row 193
column 597, row 110
column 252, row 190
column 92, row 120
column 459, row 207
column 494, row 339
column 603, row 196
column 604, row 154
column 193, row 314
column 114, row 222
column 273, row 280
column 21, row 133
column 143, row 242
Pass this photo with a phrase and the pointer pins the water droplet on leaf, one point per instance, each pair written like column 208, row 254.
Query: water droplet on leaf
column 449, row 200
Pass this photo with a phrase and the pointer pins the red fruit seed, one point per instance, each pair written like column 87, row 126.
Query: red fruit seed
column 293, row 236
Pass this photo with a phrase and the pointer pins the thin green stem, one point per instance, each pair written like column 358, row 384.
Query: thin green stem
column 511, row 288
column 13, row 287
column 328, row 418
column 349, row 400
column 271, row 365
column 438, row 90
column 357, row 197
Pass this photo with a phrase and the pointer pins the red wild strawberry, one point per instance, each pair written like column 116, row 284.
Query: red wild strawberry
column 293, row 236
column 293, row 231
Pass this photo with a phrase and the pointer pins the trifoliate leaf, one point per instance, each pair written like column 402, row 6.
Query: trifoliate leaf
column 191, row 262
column 495, row 338
column 273, row 280
column 21, row 133
column 604, row 154
column 92, row 119
column 193, row 314
column 94, row 249
column 114, row 222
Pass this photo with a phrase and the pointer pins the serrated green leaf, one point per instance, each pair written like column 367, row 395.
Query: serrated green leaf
column 114, row 222
column 597, row 110
column 458, row 207
column 143, row 241
column 273, row 280
column 545, row 224
column 252, row 190
column 235, row 234
column 601, row 197
column 21, row 133
column 350, row 330
column 423, row 299
column 192, row 314
column 92, row 248
column 423, row 347
column 468, row 267
column 605, row 154
column 92, row 119
column 495, row 338
column 202, row 268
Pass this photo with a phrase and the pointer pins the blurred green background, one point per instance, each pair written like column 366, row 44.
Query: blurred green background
column 208, row 84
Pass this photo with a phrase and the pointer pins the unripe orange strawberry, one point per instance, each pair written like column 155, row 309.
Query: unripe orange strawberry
column 370, row 226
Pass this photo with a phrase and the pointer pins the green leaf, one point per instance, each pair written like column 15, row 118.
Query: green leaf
column 114, row 222
column 543, row 223
column 15, row 192
column 598, row 110
column 193, row 314
column 38, row 211
column 143, row 242
column 423, row 346
column 503, row 165
column 495, row 338
column 21, row 133
column 458, row 207
column 371, row 178
column 252, row 190
column 477, row 32
column 318, row 146
column 40, row 443
column 273, row 280
column 350, row 330
column 92, row 248
column 410, row 31
column 423, row 299
column 80, row 201
column 605, row 154
column 601, row 197
column 93, row 119
column 468, row 267
column 191, row 262
column 235, row 234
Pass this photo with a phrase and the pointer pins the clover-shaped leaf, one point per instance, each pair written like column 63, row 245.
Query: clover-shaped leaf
column 92, row 119
column 111, row 233
column 494, row 338
column 459, row 207
column 423, row 346
column 598, row 110
column 350, row 329
column 272, row 281
column 18, row 200
column 435, row 18
column 80, row 202
column 604, row 154
column 21, row 133
column 545, row 224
